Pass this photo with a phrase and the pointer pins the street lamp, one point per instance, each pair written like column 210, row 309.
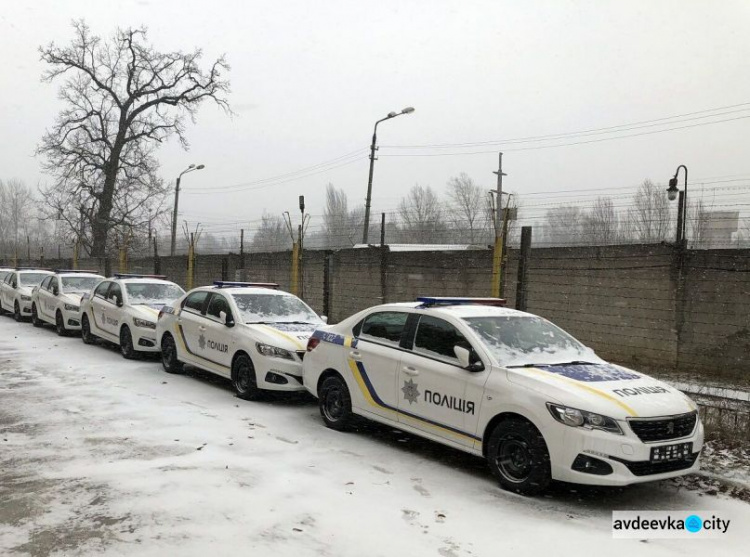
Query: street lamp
column 672, row 193
column 373, row 148
column 190, row 168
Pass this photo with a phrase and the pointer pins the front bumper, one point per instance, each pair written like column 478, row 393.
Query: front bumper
column 627, row 455
column 25, row 306
column 72, row 319
column 275, row 374
column 144, row 340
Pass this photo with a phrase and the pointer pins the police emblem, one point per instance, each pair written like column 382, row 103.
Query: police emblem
column 202, row 342
column 410, row 391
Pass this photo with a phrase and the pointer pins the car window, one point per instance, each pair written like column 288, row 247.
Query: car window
column 77, row 283
column 437, row 338
column 31, row 279
column 217, row 305
column 101, row 290
column 195, row 301
column 115, row 293
column 385, row 325
column 45, row 283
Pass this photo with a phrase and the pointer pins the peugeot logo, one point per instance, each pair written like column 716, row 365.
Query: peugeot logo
column 670, row 428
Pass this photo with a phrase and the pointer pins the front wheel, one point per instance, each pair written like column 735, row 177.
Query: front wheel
column 518, row 457
column 86, row 336
column 17, row 312
column 336, row 403
column 35, row 317
column 126, row 344
column 243, row 378
column 169, row 355
column 60, row 325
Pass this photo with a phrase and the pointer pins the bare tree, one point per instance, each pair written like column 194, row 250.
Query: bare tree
column 421, row 216
column 272, row 235
column 122, row 99
column 339, row 223
column 650, row 217
column 563, row 226
column 469, row 203
column 600, row 226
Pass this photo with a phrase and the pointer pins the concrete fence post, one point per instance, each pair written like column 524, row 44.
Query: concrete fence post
column 523, row 269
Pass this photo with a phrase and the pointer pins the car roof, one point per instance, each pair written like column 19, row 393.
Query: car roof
column 36, row 271
column 87, row 275
column 244, row 290
column 459, row 310
column 142, row 280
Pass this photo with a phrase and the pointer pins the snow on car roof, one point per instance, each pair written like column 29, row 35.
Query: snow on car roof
column 459, row 310
column 143, row 280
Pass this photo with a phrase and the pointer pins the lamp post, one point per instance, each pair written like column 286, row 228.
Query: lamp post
column 373, row 148
column 190, row 168
column 672, row 193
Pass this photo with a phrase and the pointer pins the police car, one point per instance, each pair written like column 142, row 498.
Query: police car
column 57, row 300
column 124, row 309
column 250, row 333
column 15, row 291
column 506, row 385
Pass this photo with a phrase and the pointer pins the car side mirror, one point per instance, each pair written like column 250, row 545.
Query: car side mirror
column 228, row 320
column 324, row 318
column 14, row 285
column 55, row 291
column 464, row 358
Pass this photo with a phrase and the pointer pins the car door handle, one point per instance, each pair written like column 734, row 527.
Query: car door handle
column 355, row 355
column 201, row 328
column 408, row 370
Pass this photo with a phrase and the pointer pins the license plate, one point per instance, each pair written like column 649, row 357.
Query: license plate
column 671, row 452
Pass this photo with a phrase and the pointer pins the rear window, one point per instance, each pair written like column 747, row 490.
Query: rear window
column 386, row 326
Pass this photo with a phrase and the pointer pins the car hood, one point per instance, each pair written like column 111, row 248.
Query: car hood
column 72, row 298
column 146, row 312
column 24, row 290
column 290, row 336
column 604, row 388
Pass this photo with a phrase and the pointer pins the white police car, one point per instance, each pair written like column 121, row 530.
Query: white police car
column 250, row 333
column 124, row 309
column 57, row 300
column 15, row 291
column 506, row 385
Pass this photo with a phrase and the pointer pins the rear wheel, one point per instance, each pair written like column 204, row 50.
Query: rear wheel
column 86, row 336
column 60, row 325
column 336, row 403
column 169, row 355
column 518, row 457
column 17, row 312
column 243, row 378
column 126, row 344
column 35, row 317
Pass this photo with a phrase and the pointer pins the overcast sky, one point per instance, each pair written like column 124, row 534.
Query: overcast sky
column 309, row 79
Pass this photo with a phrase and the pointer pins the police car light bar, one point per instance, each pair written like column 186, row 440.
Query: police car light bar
column 76, row 271
column 431, row 301
column 128, row 275
column 231, row 284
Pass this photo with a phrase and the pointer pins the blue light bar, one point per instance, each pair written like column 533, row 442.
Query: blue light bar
column 431, row 301
column 233, row 284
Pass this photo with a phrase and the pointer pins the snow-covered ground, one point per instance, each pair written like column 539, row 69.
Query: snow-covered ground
column 103, row 456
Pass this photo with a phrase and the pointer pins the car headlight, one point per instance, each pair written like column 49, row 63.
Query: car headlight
column 71, row 307
column 143, row 323
column 273, row 351
column 581, row 418
column 25, row 298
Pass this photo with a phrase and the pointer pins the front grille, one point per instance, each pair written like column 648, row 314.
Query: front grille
column 648, row 468
column 301, row 354
column 664, row 429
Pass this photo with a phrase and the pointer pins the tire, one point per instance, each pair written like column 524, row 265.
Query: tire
column 17, row 312
column 35, row 317
column 86, row 335
column 169, row 355
column 244, row 381
column 126, row 344
column 336, row 403
column 60, row 325
column 518, row 457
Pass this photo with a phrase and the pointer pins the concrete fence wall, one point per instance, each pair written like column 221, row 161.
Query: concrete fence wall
column 650, row 306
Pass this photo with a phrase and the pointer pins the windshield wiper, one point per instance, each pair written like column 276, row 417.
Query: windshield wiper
column 295, row 322
column 575, row 363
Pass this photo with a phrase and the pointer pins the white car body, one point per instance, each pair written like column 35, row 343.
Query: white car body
column 58, row 297
column 111, row 310
column 204, row 339
column 435, row 396
column 19, row 296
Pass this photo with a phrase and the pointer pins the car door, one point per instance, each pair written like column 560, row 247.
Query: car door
column 114, row 312
column 99, row 306
column 374, row 362
column 215, row 340
column 45, row 296
column 436, row 394
column 189, row 321
column 7, row 297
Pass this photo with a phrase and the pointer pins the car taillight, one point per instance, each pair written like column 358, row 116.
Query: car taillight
column 312, row 343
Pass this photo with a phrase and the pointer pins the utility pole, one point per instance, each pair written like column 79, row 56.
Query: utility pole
column 173, row 245
column 497, row 258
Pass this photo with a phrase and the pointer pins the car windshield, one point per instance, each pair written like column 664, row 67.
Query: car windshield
column 152, row 293
column 31, row 279
column 274, row 308
column 79, row 284
column 517, row 340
